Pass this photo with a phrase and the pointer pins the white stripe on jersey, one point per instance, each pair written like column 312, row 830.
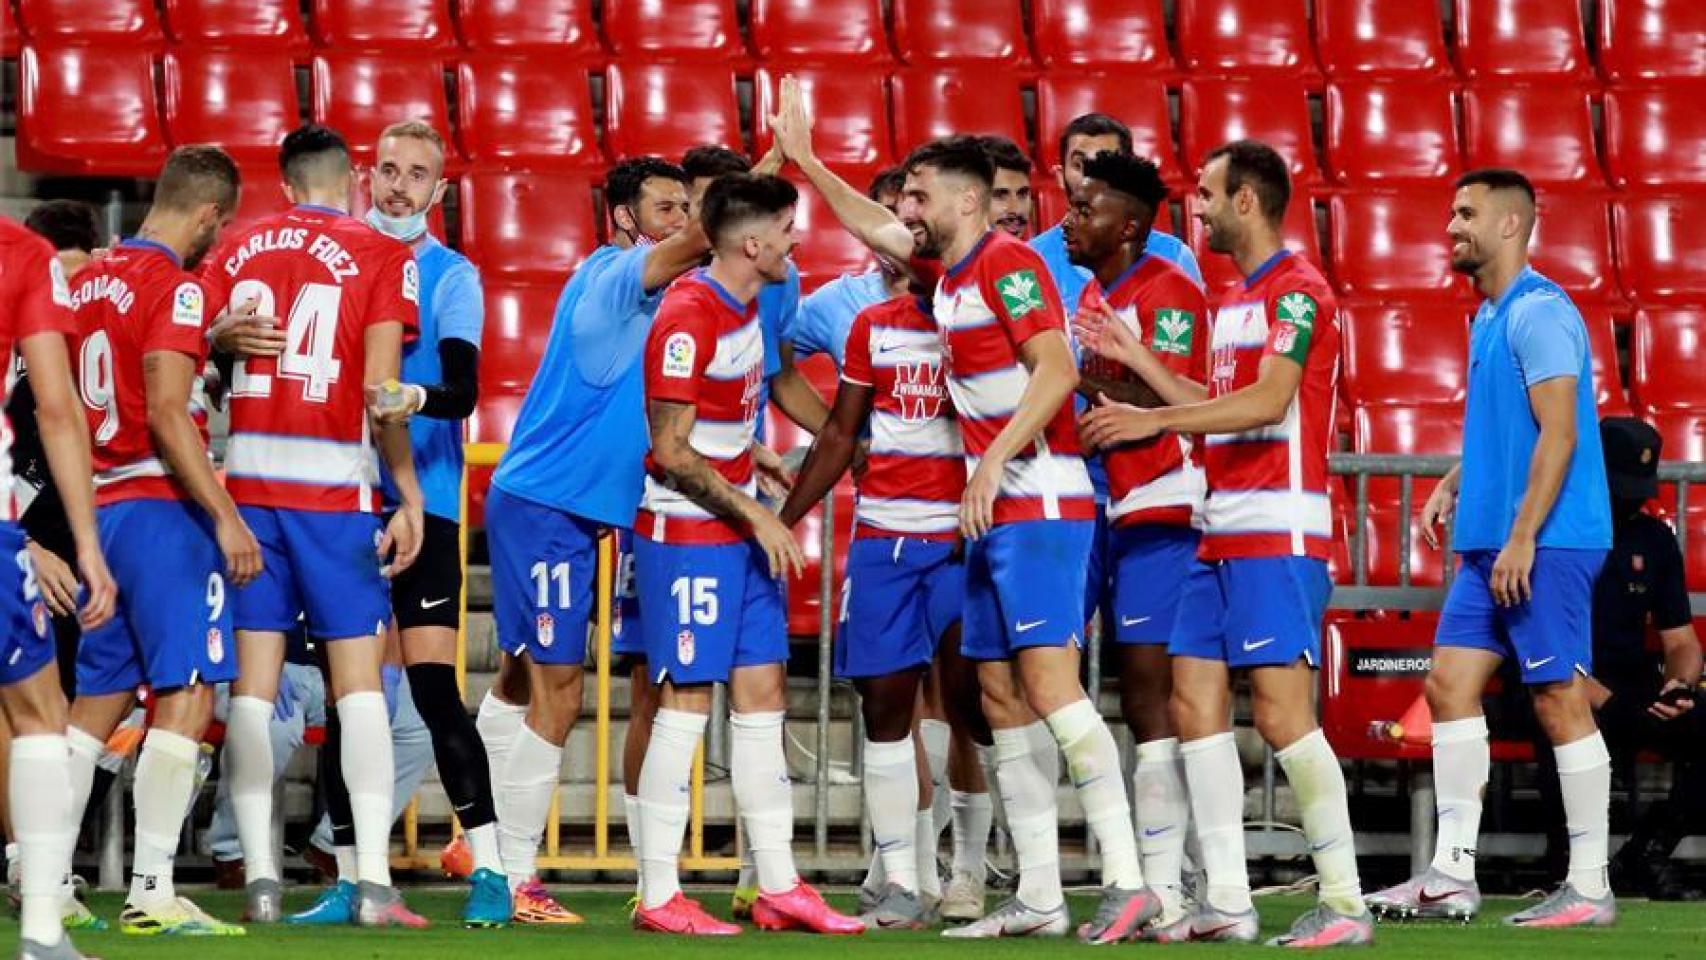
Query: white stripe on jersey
column 304, row 460
column 897, row 436
column 1273, row 433
column 1184, row 487
column 986, row 396
column 736, row 352
column 666, row 501
column 720, row 439
column 151, row 467
column 909, row 515
column 1296, row 513
column 1044, row 475
column 893, row 346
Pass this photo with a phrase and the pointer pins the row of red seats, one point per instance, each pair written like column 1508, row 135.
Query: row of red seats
column 1498, row 38
column 536, row 113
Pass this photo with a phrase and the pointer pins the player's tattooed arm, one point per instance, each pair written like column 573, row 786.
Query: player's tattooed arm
column 831, row 453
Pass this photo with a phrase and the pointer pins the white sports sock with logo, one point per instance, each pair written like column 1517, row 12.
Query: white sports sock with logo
column 1163, row 812
column 1462, row 761
column 1318, row 782
column 1584, row 777
column 39, row 794
column 974, row 817
column 1093, row 759
column 165, row 779
column 369, row 769
column 891, row 803
column 764, row 795
column 1032, row 819
column 524, row 801
column 248, row 765
column 663, row 802
column 1215, row 780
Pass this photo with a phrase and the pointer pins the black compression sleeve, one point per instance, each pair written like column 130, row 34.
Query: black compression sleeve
column 453, row 398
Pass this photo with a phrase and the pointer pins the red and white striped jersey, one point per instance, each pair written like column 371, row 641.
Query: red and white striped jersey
column 299, row 429
column 1267, row 487
column 706, row 349
column 136, row 301
column 33, row 299
column 986, row 305
column 915, row 472
column 1156, row 480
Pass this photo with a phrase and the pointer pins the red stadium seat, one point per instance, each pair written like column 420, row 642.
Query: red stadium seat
column 527, row 111
column 937, row 103
column 89, row 112
column 130, row 24
column 518, row 324
column 361, row 94
column 243, row 101
column 983, row 32
column 1393, row 245
column 1405, row 353
column 1661, row 248
column 666, row 110
column 1372, row 671
column 1380, row 37
column 1537, row 39
column 849, row 110
column 1276, row 112
column 238, row 24
column 1572, row 246
column 1609, row 395
column 527, row 226
column 697, row 31
column 1391, row 132
column 1668, row 354
column 1124, row 35
column 556, row 27
column 825, row 249
column 1422, row 429
column 1655, row 136
column 1544, row 130
column 1652, row 39
column 411, row 26
column 1139, row 102
column 1220, row 273
column 820, row 31
column 1243, row 37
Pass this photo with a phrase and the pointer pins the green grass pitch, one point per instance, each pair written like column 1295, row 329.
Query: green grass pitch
column 1649, row 931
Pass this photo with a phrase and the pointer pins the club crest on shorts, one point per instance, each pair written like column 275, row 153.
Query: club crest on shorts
column 38, row 618
column 215, row 645
column 684, row 647
column 545, row 629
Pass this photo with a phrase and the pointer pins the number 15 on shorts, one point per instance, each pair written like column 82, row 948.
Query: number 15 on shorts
column 695, row 600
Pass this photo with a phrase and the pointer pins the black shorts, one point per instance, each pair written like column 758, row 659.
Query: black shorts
column 429, row 593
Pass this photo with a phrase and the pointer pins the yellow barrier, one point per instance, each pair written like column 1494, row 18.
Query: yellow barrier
column 554, row 857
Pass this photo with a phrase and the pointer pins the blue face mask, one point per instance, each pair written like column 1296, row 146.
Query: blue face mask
column 406, row 229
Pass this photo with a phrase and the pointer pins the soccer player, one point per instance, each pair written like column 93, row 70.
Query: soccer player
column 708, row 558
column 1027, row 510
column 301, row 466
column 1256, row 601
column 826, row 314
column 1155, row 488
column 573, row 469
column 36, row 319
column 1010, row 203
column 1533, row 526
column 142, row 319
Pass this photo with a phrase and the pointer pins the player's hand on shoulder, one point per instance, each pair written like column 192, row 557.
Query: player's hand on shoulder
column 102, row 596
column 245, row 333
column 241, row 550
column 54, row 577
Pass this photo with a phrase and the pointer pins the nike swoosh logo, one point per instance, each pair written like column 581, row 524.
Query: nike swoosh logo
column 1033, row 928
column 1427, row 897
column 1133, row 621
column 1318, row 847
column 1537, row 664
column 1211, row 931
column 1154, row 832
column 1251, row 645
column 429, row 604
column 1027, row 627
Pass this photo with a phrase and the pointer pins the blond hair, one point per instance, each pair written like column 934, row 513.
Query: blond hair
column 415, row 130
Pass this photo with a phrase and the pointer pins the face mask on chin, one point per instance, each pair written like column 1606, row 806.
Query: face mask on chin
column 407, row 229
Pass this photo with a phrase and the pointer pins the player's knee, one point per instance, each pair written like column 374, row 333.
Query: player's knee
column 1447, row 695
column 1563, row 711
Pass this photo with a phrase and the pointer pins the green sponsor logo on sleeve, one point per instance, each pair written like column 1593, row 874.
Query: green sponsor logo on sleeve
column 1296, row 325
column 1020, row 293
column 1173, row 331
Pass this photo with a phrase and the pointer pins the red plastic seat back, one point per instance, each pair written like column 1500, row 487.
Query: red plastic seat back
column 268, row 25
column 360, row 95
column 1572, row 246
column 527, row 226
column 696, row 31
column 1213, row 112
column 130, row 24
column 406, row 26
column 849, row 109
column 1138, row 102
column 89, row 111
column 1371, row 672
column 985, row 32
column 1655, row 135
column 1381, row 37
column 1392, row 132
column 1539, row 39
column 1668, row 353
column 1393, row 244
column 243, row 101
column 1544, row 130
column 820, row 31
column 1652, row 39
column 1661, row 247
column 1405, row 353
column 555, row 27
column 1243, row 37
column 527, row 111
column 1125, row 35
column 668, row 109
column 938, row 103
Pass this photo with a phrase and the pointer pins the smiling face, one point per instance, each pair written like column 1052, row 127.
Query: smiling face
column 768, row 242
column 1010, row 202
column 929, row 206
column 1481, row 224
column 1098, row 221
column 1217, row 210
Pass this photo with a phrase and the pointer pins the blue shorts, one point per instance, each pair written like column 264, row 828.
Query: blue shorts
column 1550, row 636
column 901, row 594
column 26, row 645
column 319, row 566
column 1253, row 611
column 709, row 609
column 1025, row 587
column 544, row 567
column 625, row 637
column 172, row 627
column 1151, row 563
column 1099, row 575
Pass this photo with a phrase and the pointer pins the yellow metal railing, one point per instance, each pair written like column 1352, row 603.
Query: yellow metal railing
column 555, row 857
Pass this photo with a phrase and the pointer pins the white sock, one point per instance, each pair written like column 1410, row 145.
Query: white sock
column 764, row 796
column 1462, row 760
column 1584, row 777
column 248, row 764
column 347, row 871
column 631, row 815
column 1318, row 782
column 1031, row 819
column 1215, row 781
column 483, row 844
column 1163, row 813
column 891, row 802
column 974, row 815
column 747, row 878
column 524, row 801
column 370, row 775
column 924, row 852
column 875, row 876
column 666, row 778
column 85, row 757
column 933, row 736
column 39, row 793
column 498, row 722
column 1045, row 751
column 1093, row 759
column 165, row 778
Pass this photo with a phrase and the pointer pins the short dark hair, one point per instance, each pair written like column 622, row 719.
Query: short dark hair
column 887, row 180
column 1134, row 177
column 961, row 154
column 67, row 224
column 1497, row 178
column 195, row 175
column 734, row 198
column 623, row 183
column 309, row 146
column 713, row 160
column 1095, row 125
column 1005, row 154
column 1262, row 168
